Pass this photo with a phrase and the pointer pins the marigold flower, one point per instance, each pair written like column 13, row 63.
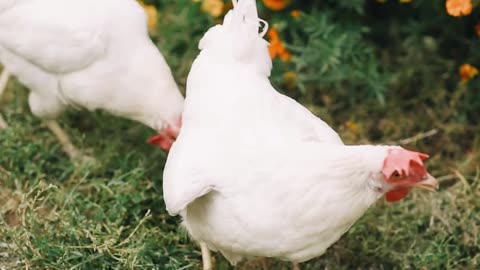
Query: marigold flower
column 276, row 5
column 353, row 127
column 213, row 7
column 290, row 79
column 272, row 34
column 477, row 29
column 295, row 14
column 276, row 47
column 458, row 8
column 152, row 16
column 285, row 56
column 406, row 1
column 467, row 72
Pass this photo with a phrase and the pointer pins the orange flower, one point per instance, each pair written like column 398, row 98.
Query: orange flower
column 353, row 127
column 276, row 47
column 295, row 14
column 272, row 34
column 477, row 29
column 152, row 16
column 213, row 7
column 405, row 1
column 276, row 5
column 458, row 8
column 467, row 72
column 290, row 79
column 285, row 56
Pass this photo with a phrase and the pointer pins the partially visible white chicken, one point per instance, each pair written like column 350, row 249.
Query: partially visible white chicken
column 255, row 174
column 89, row 54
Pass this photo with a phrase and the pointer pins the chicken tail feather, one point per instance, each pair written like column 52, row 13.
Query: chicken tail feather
column 240, row 38
column 245, row 15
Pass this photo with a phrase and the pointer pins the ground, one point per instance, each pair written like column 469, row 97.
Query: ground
column 55, row 215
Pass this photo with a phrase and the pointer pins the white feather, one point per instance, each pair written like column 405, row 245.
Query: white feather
column 90, row 54
column 253, row 173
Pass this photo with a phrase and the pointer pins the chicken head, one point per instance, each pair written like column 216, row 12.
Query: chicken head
column 404, row 170
column 166, row 136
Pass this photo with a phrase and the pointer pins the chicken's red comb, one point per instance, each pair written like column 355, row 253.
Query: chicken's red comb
column 399, row 160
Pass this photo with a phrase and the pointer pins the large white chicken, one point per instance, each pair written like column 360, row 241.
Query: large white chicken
column 253, row 173
column 88, row 54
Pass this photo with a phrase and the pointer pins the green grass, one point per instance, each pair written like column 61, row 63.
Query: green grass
column 58, row 216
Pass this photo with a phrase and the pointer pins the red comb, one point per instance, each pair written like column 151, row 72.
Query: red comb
column 399, row 160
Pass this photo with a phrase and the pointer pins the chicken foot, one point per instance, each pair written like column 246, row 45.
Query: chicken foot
column 206, row 257
column 3, row 85
column 66, row 143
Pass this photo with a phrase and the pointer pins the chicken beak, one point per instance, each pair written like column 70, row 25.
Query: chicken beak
column 429, row 183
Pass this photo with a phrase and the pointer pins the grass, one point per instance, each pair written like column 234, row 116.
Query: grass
column 111, row 216
column 54, row 215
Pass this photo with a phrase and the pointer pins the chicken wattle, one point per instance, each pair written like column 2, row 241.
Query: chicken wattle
column 255, row 174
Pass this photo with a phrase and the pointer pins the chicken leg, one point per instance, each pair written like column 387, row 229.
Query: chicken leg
column 66, row 143
column 3, row 85
column 206, row 257
column 296, row 266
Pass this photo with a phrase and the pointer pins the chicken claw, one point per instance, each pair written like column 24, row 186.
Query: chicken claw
column 67, row 146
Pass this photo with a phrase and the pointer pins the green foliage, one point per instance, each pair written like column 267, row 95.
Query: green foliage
column 376, row 72
column 332, row 56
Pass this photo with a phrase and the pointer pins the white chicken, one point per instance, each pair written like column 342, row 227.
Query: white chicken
column 88, row 54
column 253, row 173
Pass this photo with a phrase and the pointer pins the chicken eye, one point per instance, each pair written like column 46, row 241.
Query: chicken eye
column 396, row 176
